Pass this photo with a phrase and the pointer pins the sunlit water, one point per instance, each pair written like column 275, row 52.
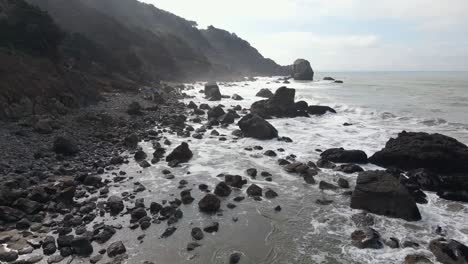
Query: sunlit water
column 379, row 105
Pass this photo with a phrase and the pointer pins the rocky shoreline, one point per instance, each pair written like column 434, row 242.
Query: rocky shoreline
column 60, row 196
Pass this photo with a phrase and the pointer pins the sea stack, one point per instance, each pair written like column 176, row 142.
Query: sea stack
column 302, row 71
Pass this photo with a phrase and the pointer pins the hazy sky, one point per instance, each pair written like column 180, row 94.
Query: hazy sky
column 343, row 34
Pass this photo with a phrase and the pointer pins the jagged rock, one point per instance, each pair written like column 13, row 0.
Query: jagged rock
column 257, row 127
column 254, row 190
column 344, row 156
column 380, row 192
column 222, row 189
column 325, row 164
column 115, row 249
column 302, row 70
column 212, row 92
column 235, row 181
column 416, row 150
column 209, row 204
column 180, row 154
column 211, row 228
column 449, row 251
column 280, row 105
column 366, row 238
column 216, row 112
column 265, row 93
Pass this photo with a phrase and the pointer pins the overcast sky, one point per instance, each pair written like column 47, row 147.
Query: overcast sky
column 343, row 34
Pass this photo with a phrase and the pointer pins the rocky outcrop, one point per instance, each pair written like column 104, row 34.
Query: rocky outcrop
column 254, row 126
column 280, row 105
column 180, row 154
column 380, row 192
column 344, row 156
column 212, row 92
column 449, row 251
column 414, row 150
column 302, row 70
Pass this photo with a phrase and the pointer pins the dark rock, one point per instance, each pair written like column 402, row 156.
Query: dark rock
column 343, row 183
column 227, row 118
column 302, row 71
column 257, row 127
column 252, row 172
column 436, row 152
column 270, row 153
column 180, row 154
column 449, row 251
column 9, row 256
column 280, row 105
column 308, row 178
column 366, row 238
column 81, row 245
column 325, row 164
column 48, row 245
column 186, row 197
column 235, row 181
column 392, row 242
column 328, row 79
column 197, row 233
column 349, row 168
column 278, row 208
column 155, row 207
column 382, row 193
column 270, row 194
column 192, row 246
column 319, row 110
column 27, row 206
column 212, row 92
column 344, row 156
column 211, row 228
column 138, row 213
column 323, row 185
column 209, row 204
column 192, row 105
column 65, row 146
column 216, row 112
column 222, row 189
column 115, row 249
column 115, row 204
column 234, row 258
column 265, row 93
column 140, row 155
column 417, row 259
column 254, row 190
column 237, row 97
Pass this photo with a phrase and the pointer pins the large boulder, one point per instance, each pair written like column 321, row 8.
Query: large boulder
column 280, row 105
column 180, row 154
column 342, row 155
column 265, row 93
column 414, row 150
column 212, row 92
column 449, row 251
column 302, row 70
column 380, row 192
column 209, row 204
column 254, row 126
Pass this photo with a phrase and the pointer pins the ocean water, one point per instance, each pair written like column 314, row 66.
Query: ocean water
column 379, row 105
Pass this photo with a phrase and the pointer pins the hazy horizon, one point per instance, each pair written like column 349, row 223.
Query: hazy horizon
column 343, row 35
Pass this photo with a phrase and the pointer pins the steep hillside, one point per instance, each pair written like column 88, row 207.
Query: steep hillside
column 228, row 53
